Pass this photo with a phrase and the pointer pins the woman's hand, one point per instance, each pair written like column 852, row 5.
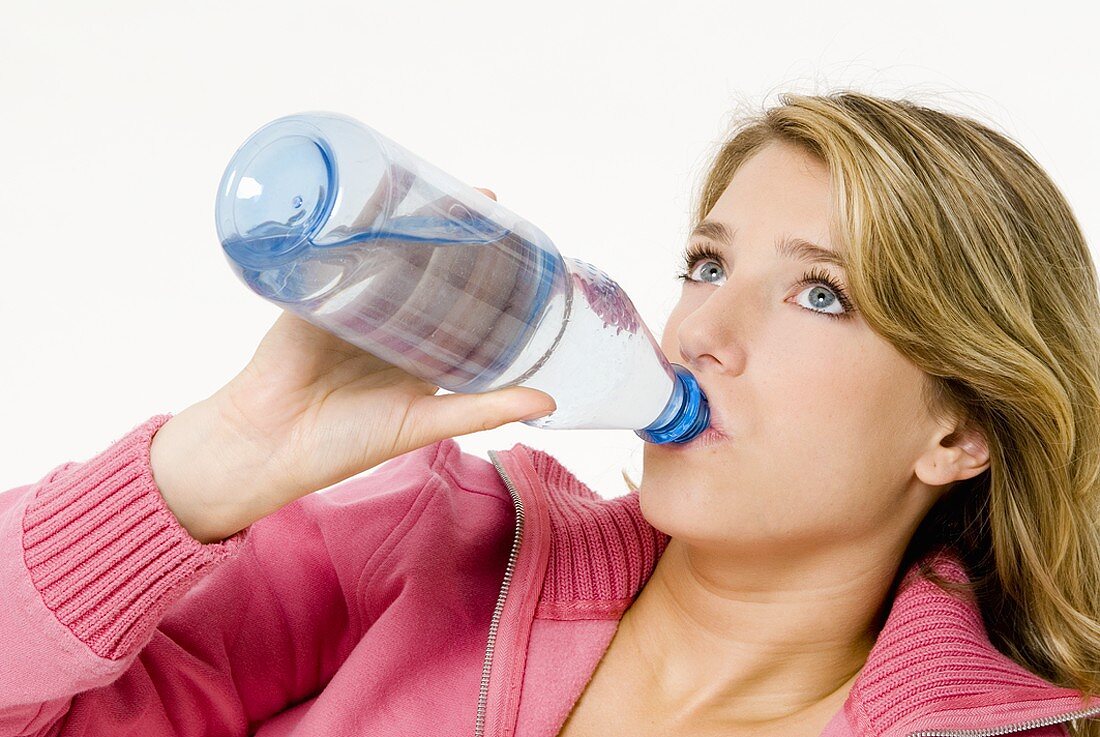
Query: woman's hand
column 308, row 411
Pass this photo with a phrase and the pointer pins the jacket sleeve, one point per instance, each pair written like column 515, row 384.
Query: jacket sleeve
column 116, row 621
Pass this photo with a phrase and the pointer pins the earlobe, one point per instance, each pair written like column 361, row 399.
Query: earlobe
column 938, row 467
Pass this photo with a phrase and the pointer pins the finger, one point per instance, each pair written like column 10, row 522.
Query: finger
column 487, row 192
column 450, row 415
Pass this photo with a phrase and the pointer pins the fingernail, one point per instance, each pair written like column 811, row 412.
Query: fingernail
column 539, row 413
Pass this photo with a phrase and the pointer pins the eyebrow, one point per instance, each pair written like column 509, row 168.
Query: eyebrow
column 797, row 249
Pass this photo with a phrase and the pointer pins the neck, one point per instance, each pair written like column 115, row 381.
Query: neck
column 755, row 643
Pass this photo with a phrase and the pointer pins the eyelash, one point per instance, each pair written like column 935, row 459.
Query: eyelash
column 695, row 253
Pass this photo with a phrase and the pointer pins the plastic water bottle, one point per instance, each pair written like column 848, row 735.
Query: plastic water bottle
column 325, row 217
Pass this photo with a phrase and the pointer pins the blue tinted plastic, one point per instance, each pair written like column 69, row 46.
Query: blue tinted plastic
column 327, row 218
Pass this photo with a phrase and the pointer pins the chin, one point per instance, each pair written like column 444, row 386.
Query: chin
column 669, row 509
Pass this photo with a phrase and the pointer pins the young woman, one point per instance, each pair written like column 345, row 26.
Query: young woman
column 895, row 317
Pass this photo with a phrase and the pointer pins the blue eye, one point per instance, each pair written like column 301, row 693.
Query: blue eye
column 692, row 255
column 711, row 267
column 831, row 298
column 696, row 253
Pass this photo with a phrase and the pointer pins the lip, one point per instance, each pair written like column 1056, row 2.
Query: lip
column 710, row 436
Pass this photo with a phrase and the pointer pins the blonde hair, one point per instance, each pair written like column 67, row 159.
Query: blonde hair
column 965, row 256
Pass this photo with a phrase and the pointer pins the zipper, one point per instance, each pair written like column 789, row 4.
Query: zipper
column 483, row 695
column 1033, row 724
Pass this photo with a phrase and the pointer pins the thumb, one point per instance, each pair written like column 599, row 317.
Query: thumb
column 460, row 414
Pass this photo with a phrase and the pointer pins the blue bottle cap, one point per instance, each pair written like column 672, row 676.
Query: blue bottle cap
column 686, row 415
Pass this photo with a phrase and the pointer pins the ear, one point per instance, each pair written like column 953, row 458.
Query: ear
column 956, row 456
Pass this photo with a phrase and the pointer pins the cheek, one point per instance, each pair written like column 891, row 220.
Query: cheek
column 819, row 405
column 846, row 423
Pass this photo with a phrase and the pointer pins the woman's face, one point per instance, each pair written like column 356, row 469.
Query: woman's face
column 826, row 430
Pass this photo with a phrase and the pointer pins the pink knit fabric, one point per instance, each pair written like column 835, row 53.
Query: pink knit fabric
column 93, row 582
column 601, row 554
column 367, row 610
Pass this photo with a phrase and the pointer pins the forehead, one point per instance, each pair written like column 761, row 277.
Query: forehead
column 781, row 192
column 784, row 173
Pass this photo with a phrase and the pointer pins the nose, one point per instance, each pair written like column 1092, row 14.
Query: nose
column 708, row 335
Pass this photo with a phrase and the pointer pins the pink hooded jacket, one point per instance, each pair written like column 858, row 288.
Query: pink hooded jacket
column 439, row 595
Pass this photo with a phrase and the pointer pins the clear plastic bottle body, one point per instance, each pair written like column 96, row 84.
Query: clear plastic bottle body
column 327, row 218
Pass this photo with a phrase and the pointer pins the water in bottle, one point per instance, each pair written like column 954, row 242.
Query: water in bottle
column 325, row 217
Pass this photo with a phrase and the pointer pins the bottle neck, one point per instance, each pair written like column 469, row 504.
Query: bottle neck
column 686, row 415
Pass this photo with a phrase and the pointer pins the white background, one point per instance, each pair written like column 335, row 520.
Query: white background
column 594, row 120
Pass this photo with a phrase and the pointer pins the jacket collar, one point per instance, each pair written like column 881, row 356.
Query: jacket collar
column 932, row 670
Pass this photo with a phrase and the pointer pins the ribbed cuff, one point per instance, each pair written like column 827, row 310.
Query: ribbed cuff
column 104, row 550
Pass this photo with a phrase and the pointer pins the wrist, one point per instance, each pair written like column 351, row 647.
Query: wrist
column 204, row 479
